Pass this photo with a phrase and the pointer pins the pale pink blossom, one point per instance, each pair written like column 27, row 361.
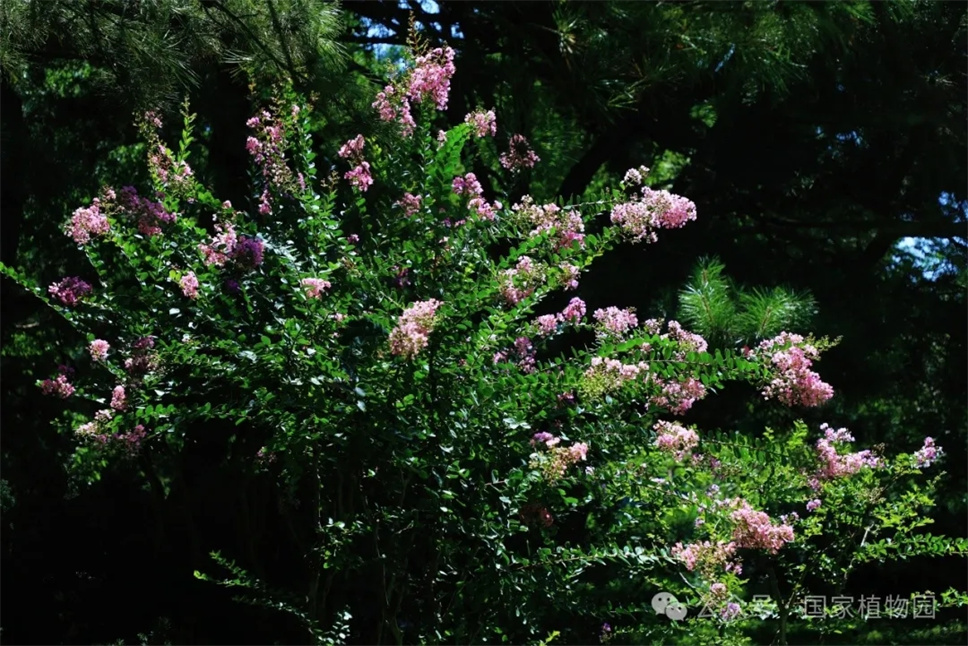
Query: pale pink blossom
column 675, row 439
column 118, row 398
column 315, row 286
column 360, row 177
column 189, row 285
column 755, row 530
column 615, row 322
column 413, row 329
column 99, row 349
column 88, row 221
column 484, row 123
column 927, row 454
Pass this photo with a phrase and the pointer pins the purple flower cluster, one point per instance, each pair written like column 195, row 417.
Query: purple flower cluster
column 150, row 215
column 247, row 253
column 519, row 155
column 70, row 290
column 927, row 454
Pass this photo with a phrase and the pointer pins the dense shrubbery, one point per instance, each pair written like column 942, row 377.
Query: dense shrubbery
column 386, row 343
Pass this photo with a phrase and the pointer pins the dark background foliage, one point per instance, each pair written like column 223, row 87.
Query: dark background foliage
column 823, row 143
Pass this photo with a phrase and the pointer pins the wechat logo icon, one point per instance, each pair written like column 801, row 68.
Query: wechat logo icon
column 665, row 603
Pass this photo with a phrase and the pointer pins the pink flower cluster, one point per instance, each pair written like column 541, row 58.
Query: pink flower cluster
column 567, row 225
column 813, row 505
column 569, row 276
column 410, row 204
column 429, row 78
column 484, row 123
column 755, row 530
column 559, row 458
column 189, row 285
column 130, row 441
column 359, row 176
column 519, row 155
column 675, row 439
column 519, row 282
column 226, row 245
column 468, row 185
column 87, row 222
column 315, row 286
column 574, row 311
column 99, row 349
column 635, row 176
column 653, row 210
column 167, row 170
column 688, row 341
column 707, row 556
column 611, row 374
column 352, row 149
column 58, row 386
column 413, row 329
column 927, row 454
column 222, row 245
column 119, row 399
column 677, row 396
column 268, row 147
column 615, row 322
column 794, row 384
column 547, row 324
column 70, row 290
column 834, row 465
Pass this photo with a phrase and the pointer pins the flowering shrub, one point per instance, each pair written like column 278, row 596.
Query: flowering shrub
column 371, row 351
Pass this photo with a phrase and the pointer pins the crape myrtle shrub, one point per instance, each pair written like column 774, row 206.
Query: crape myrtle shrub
column 364, row 341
